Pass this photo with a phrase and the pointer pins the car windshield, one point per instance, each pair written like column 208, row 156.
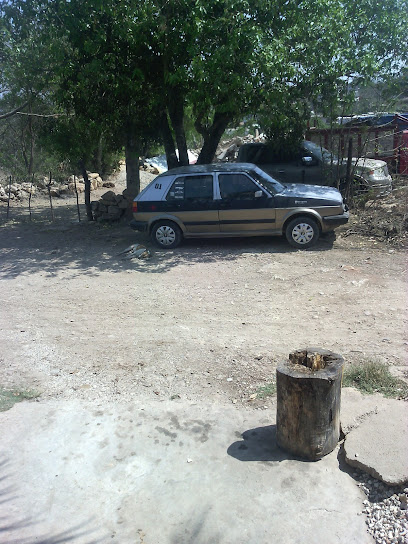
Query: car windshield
column 320, row 153
column 267, row 181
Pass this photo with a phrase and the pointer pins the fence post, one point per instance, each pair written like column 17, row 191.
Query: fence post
column 8, row 200
column 77, row 201
column 348, row 169
column 31, row 194
column 49, row 195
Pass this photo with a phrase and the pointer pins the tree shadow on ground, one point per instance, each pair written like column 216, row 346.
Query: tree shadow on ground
column 259, row 444
column 91, row 248
column 197, row 530
column 11, row 525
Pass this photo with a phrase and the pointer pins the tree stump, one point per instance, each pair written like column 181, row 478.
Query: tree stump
column 308, row 402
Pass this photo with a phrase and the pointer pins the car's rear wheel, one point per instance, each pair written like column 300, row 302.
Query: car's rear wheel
column 302, row 232
column 166, row 234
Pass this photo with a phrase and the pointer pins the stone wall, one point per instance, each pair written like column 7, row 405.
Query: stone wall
column 19, row 191
column 110, row 207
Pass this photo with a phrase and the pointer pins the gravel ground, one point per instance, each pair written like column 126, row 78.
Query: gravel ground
column 386, row 510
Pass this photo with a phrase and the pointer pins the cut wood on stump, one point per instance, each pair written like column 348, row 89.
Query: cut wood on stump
column 308, row 402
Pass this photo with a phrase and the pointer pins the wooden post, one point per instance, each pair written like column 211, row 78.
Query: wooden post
column 349, row 181
column 77, row 199
column 308, row 402
column 8, row 199
column 31, row 194
column 49, row 196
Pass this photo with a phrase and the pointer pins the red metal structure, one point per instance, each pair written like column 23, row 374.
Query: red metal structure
column 403, row 159
column 386, row 142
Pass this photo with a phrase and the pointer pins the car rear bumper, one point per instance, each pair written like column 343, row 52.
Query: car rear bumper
column 332, row 221
column 380, row 190
column 138, row 225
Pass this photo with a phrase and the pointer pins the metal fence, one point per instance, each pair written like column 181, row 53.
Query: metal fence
column 380, row 142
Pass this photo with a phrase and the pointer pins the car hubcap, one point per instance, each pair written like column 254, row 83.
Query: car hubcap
column 302, row 233
column 165, row 235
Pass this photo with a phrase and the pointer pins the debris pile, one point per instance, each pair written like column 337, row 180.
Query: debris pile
column 227, row 150
column 137, row 251
column 383, row 219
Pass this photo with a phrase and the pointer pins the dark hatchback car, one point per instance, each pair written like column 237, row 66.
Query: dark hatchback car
column 232, row 199
column 314, row 164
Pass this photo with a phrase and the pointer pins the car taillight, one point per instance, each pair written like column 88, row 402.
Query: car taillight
column 134, row 207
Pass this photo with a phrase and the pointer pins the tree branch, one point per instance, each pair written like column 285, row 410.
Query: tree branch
column 43, row 115
column 13, row 112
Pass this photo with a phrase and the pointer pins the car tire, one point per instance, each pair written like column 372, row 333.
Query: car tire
column 302, row 232
column 166, row 234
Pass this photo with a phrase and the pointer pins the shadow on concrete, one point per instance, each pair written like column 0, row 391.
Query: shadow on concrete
column 375, row 490
column 11, row 525
column 197, row 530
column 259, row 444
column 91, row 248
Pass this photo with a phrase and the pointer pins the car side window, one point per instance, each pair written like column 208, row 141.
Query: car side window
column 191, row 189
column 237, row 187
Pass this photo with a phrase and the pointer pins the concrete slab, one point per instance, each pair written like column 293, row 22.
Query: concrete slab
column 165, row 472
column 356, row 407
column 379, row 445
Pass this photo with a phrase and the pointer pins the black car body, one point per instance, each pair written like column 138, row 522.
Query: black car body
column 230, row 199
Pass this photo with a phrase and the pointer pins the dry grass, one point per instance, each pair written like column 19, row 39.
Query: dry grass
column 374, row 377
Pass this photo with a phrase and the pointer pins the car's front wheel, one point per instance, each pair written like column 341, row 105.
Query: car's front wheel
column 166, row 234
column 302, row 232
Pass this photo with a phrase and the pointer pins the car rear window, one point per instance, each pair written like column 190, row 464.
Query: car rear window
column 191, row 188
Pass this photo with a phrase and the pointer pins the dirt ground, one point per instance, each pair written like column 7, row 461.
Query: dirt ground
column 206, row 321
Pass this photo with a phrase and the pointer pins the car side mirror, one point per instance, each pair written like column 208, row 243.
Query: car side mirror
column 259, row 194
column 309, row 161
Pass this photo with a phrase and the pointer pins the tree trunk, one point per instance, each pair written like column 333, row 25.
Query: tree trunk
column 132, row 152
column 87, row 190
column 31, row 136
column 176, row 113
column 212, row 137
column 308, row 402
column 349, row 178
column 99, row 155
column 168, row 142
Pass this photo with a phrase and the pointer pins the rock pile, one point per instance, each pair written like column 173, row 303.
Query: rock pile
column 110, row 207
column 145, row 167
column 18, row 191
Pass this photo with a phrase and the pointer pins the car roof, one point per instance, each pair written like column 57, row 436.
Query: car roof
column 210, row 168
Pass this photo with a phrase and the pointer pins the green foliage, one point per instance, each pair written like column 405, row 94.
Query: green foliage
column 268, row 390
column 8, row 398
column 284, row 128
column 129, row 67
column 374, row 377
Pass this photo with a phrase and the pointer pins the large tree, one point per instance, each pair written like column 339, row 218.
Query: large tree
column 135, row 65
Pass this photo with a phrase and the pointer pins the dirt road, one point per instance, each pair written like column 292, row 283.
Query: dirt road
column 207, row 320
